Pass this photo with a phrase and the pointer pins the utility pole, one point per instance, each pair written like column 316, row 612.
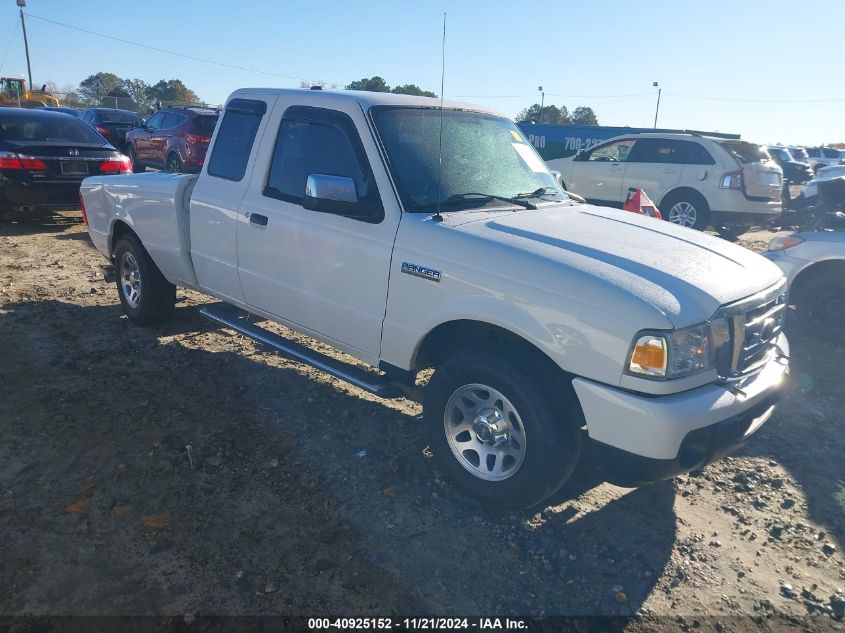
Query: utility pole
column 22, row 4
column 657, row 109
column 542, row 101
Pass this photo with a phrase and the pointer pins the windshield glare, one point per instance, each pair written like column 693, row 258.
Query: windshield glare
column 482, row 153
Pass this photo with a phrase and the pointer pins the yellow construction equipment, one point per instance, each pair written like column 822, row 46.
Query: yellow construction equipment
column 13, row 92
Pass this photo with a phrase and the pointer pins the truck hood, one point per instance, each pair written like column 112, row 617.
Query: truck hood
column 685, row 274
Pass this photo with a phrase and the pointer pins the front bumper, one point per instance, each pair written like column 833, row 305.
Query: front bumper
column 638, row 439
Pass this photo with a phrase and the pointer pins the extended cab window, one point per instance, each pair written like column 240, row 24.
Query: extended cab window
column 613, row 152
column 317, row 141
column 233, row 145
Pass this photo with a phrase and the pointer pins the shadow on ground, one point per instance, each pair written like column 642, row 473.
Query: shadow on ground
column 299, row 495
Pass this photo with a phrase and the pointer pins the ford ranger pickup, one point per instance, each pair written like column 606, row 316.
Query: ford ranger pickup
column 414, row 235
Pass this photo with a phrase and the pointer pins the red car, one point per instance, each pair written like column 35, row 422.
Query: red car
column 173, row 139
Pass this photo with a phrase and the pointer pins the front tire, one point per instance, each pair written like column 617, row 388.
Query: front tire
column 137, row 167
column 820, row 306
column 146, row 296
column 500, row 428
column 173, row 164
column 686, row 208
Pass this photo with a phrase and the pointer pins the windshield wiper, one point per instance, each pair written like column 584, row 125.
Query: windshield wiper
column 480, row 197
column 542, row 191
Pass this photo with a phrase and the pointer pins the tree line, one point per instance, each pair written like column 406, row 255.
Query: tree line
column 110, row 90
column 582, row 115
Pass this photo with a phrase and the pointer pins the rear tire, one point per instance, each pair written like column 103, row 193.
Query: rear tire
column 686, row 208
column 137, row 167
column 501, row 428
column 820, row 305
column 146, row 296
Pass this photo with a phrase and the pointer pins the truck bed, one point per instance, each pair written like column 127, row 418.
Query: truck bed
column 156, row 207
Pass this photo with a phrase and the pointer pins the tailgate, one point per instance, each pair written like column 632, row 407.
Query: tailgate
column 762, row 180
column 761, row 175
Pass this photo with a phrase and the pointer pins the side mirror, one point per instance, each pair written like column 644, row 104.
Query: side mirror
column 580, row 155
column 334, row 194
column 556, row 174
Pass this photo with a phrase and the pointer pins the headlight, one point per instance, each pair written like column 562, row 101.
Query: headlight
column 780, row 242
column 677, row 353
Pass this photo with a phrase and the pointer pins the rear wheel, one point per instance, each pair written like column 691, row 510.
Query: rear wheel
column 133, row 158
column 174, row 163
column 820, row 305
column 146, row 296
column 500, row 428
column 686, row 208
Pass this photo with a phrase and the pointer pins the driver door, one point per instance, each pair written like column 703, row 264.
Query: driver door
column 319, row 271
column 597, row 175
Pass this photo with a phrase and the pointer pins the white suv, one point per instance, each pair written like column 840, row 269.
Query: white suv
column 695, row 180
column 821, row 157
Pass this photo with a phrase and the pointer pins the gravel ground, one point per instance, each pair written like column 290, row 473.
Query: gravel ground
column 302, row 495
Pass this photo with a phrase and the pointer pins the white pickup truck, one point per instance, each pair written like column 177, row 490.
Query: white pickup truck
column 415, row 237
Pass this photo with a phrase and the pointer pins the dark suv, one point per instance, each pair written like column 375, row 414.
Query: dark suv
column 173, row 139
column 112, row 124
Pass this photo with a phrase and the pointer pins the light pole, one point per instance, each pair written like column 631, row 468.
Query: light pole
column 542, row 101
column 22, row 4
column 657, row 109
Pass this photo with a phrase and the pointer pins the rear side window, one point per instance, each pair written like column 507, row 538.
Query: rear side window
column 235, row 139
column 830, row 152
column 669, row 151
column 318, row 141
column 746, row 152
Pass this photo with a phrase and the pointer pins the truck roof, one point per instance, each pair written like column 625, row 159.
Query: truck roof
column 365, row 99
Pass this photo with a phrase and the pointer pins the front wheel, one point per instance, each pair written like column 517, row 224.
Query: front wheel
column 500, row 428
column 137, row 167
column 174, row 164
column 687, row 209
column 146, row 296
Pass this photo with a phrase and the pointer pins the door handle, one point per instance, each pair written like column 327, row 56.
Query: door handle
column 257, row 218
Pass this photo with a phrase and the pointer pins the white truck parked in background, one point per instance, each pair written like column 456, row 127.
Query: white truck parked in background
column 546, row 321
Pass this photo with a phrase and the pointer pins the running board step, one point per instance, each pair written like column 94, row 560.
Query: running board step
column 236, row 319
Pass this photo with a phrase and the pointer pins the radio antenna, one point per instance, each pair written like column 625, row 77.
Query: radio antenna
column 437, row 217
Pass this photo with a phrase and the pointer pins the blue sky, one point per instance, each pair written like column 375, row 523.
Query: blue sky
column 749, row 57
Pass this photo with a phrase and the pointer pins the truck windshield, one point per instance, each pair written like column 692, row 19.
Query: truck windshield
column 482, row 154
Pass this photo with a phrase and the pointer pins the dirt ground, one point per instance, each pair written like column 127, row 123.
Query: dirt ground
column 302, row 495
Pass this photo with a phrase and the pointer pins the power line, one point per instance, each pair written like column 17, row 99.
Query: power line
column 553, row 94
column 9, row 46
column 737, row 100
column 169, row 52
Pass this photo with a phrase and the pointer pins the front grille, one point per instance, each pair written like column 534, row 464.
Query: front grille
column 754, row 325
